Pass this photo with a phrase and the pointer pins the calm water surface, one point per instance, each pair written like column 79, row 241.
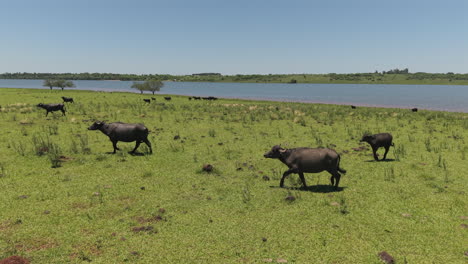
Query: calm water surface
column 437, row 97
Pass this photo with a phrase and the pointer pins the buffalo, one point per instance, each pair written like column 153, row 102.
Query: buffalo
column 153, row 98
column 197, row 97
column 353, row 107
column 167, row 98
column 308, row 160
column 147, row 101
column 67, row 99
column 414, row 109
column 119, row 131
column 52, row 108
column 379, row 140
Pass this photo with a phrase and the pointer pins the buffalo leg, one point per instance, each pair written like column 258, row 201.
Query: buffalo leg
column 63, row 111
column 136, row 146
column 374, row 150
column 285, row 174
column 301, row 175
column 114, row 144
column 386, row 151
column 46, row 113
column 148, row 144
column 337, row 177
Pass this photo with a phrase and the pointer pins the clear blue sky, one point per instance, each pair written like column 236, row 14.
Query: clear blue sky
column 233, row 37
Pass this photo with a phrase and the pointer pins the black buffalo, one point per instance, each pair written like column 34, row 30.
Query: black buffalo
column 153, row 98
column 119, row 131
column 147, row 100
column 68, row 99
column 379, row 140
column 308, row 160
column 52, row 108
column 414, row 109
column 167, row 98
column 353, row 107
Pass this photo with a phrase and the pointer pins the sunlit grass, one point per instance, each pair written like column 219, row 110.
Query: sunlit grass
column 163, row 208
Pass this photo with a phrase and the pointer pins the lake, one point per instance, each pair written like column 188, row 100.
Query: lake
column 452, row 98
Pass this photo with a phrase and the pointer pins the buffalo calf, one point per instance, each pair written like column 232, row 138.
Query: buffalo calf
column 308, row 160
column 379, row 140
column 67, row 99
column 119, row 131
column 52, row 108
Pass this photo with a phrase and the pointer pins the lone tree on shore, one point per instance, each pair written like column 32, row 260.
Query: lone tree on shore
column 64, row 83
column 49, row 83
column 139, row 86
column 149, row 85
column 153, row 85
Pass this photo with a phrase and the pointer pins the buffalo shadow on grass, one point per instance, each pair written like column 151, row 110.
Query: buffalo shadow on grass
column 132, row 154
column 320, row 188
column 385, row 160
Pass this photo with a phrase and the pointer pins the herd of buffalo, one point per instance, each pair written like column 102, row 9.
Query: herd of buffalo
column 299, row 160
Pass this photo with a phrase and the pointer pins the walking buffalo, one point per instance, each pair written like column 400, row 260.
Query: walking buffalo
column 52, row 108
column 119, row 131
column 308, row 160
column 147, row 100
column 67, row 99
column 379, row 140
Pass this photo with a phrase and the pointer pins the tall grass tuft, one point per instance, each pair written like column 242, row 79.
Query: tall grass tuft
column 19, row 147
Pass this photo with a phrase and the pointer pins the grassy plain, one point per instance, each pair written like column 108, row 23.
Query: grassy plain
column 162, row 208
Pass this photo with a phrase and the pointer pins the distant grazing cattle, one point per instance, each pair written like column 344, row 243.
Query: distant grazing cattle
column 153, row 98
column 52, row 108
column 209, row 98
column 67, row 99
column 197, row 97
column 379, row 140
column 147, row 100
column 119, row 131
column 414, row 109
column 190, row 98
column 308, row 160
column 353, row 107
column 167, row 98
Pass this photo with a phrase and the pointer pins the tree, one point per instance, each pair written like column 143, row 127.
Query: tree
column 139, row 86
column 49, row 83
column 153, row 85
column 64, row 83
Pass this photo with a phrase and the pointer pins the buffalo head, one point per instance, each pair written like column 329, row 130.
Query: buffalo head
column 367, row 138
column 96, row 125
column 275, row 152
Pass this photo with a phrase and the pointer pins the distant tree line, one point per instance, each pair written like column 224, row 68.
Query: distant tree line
column 86, row 76
column 390, row 76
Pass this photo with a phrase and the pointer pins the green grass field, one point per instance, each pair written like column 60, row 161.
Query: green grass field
column 65, row 199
